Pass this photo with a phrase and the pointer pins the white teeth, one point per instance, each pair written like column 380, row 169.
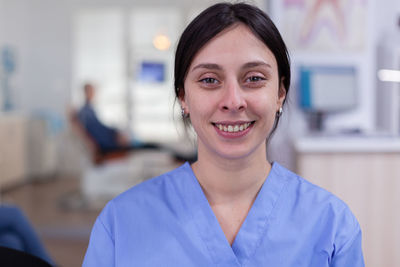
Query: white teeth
column 233, row 128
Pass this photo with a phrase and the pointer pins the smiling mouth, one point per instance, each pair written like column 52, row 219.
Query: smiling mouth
column 233, row 128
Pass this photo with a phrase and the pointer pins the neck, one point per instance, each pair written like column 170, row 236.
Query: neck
column 231, row 180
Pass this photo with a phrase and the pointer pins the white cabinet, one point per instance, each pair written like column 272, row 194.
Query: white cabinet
column 26, row 149
column 365, row 173
column 40, row 150
column 12, row 150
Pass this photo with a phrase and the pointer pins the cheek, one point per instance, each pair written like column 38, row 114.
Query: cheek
column 199, row 103
column 200, row 110
column 265, row 108
column 265, row 104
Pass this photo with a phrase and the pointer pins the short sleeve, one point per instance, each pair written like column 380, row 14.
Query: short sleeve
column 348, row 248
column 100, row 251
column 352, row 256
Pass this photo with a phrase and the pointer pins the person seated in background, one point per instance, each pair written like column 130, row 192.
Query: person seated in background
column 110, row 142
column 17, row 233
column 107, row 138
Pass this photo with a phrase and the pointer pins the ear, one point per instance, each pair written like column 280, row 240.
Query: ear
column 281, row 93
column 181, row 97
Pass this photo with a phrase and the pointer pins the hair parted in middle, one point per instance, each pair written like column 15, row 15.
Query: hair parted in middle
column 219, row 17
column 213, row 21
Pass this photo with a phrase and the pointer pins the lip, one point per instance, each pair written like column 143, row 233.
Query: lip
column 231, row 122
column 233, row 135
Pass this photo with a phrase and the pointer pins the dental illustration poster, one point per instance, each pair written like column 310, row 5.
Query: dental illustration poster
column 325, row 25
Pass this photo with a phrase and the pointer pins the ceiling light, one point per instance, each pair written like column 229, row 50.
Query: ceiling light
column 161, row 42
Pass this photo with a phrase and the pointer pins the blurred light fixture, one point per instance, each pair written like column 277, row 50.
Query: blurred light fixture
column 161, row 42
column 386, row 75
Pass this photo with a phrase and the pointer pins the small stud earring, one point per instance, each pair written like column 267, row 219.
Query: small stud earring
column 279, row 112
column 184, row 115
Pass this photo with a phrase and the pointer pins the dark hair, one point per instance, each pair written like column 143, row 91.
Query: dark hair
column 219, row 17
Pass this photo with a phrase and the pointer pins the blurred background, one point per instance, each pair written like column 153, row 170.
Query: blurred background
column 340, row 128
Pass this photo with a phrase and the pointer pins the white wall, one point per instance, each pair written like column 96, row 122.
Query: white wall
column 39, row 31
column 387, row 13
column 1, row 24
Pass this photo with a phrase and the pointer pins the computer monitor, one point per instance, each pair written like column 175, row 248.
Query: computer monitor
column 326, row 89
column 151, row 72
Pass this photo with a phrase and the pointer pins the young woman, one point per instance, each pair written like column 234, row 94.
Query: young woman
column 231, row 207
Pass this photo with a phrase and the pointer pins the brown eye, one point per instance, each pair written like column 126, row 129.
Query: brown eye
column 209, row 81
column 255, row 79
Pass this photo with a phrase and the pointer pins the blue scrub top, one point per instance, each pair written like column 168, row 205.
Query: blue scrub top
column 167, row 221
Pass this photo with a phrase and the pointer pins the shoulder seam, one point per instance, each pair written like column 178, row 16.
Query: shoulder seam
column 355, row 233
column 106, row 229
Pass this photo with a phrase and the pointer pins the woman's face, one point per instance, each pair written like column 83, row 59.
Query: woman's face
column 232, row 94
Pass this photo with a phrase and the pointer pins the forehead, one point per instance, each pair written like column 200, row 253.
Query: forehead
column 235, row 45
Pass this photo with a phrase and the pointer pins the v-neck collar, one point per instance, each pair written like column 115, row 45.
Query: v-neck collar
column 253, row 228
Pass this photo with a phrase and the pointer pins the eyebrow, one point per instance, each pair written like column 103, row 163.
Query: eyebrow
column 248, row 65
column 255, row 64
column 210, row 66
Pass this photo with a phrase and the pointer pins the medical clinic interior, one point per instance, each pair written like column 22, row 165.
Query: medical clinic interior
column 340, row 128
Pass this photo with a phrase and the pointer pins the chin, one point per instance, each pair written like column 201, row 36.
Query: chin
column 235, row 154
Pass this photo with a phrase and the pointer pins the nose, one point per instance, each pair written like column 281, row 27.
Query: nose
column 233, row 98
